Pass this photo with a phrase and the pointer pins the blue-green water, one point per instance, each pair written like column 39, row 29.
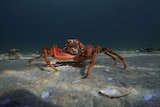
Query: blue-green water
column 118, row 24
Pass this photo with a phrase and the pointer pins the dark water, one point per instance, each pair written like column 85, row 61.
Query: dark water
column 118, row 24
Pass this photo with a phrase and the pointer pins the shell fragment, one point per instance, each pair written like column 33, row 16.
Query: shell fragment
column 115, row 92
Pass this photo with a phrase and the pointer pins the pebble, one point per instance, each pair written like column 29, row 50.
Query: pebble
column 109, row 78
column 45, row 94
column 147, row 97
column 133, row 82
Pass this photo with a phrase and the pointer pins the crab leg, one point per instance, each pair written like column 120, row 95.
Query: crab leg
column 93, row 59
column 115, row 61
column 91, row 64
column 33, row 59
column 107, row 50
column 46, row 50
column 121, row 58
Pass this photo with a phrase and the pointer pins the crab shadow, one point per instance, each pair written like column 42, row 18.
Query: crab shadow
column 84, row 65
column 80, row 65
column 71, row 63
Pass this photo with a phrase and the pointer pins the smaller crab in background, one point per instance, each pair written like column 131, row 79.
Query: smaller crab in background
column 11, row 54
column 14, row 53
column 76, row 50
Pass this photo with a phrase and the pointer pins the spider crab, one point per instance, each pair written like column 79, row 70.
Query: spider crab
column 14, row 54
column 76, row 50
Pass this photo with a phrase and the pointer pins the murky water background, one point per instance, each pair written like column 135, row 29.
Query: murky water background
column 118, row 24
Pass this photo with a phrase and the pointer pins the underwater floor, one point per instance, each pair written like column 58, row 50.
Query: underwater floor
column 37, row 85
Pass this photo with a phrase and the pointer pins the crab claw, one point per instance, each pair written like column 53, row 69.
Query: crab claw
column 57, row 53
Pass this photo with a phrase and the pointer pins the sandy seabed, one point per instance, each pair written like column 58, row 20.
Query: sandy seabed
column 37, row 85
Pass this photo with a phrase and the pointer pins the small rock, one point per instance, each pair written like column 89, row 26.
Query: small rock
column 115, row 92
column 133, row 82
column 45, row 94
column 147, row 97
column 147, row 50
column 109, row 78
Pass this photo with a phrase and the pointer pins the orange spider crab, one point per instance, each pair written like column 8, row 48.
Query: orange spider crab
column 77, row 51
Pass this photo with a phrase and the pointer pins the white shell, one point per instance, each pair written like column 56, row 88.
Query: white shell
column 113, row 91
